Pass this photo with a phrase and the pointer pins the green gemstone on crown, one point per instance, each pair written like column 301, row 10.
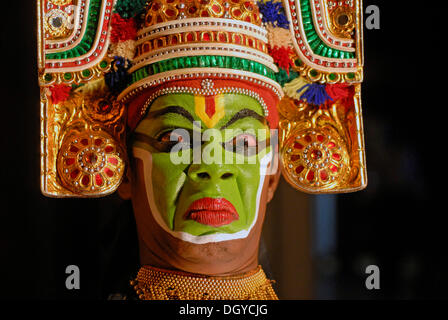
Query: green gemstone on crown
column 103, row 64
column 194, row 62
column 86, row 73
column 48, row 77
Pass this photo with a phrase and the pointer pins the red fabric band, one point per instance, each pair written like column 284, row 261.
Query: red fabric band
column 271, row 100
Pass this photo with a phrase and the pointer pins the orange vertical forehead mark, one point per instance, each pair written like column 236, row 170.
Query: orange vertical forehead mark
column 209, row 109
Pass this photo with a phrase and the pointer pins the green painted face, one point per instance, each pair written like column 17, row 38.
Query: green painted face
column 187, row 187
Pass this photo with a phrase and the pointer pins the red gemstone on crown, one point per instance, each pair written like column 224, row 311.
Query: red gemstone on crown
column 113, row 161
column 170, row 12
column 336, row 156
column 310, row 175
column 316, row 154
column 91, row 158
column 323, row 175
column 109, row 149
column 74, row 174
column 98, row 180
column 299, row 169
column 109, row 172
column 85, row 180
column 74, row 149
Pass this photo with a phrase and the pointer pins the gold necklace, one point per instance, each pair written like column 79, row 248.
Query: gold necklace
column 159, row 284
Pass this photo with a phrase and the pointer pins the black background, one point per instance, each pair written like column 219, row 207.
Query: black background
column 395, row 222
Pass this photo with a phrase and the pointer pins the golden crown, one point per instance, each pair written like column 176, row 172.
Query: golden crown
column 97, row 56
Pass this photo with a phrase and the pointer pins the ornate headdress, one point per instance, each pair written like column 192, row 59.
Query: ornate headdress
column 102, row 63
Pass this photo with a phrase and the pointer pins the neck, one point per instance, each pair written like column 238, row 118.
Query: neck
column 224, row 258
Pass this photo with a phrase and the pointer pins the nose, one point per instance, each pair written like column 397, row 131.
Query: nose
column 213, row 172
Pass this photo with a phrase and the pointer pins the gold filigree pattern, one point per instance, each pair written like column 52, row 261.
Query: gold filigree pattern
column 316, row 159
column 342, row 21
column 169, row 10
column 61, row 2
column 209, row 38
column 106, row 110
column 57, row 24
column 76, row 77
column 82, row 134
column 322, row 148
column 314, row 75
column 90, row 162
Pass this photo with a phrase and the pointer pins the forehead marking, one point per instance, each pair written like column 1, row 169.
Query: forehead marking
column 210, row 109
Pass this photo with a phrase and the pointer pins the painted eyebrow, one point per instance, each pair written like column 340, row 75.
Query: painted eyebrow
column 171, row 109
column 244, row 114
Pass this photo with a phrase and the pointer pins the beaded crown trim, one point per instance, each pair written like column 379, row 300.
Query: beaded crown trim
column 202, row 24
column 206, row 90
column 197, row 73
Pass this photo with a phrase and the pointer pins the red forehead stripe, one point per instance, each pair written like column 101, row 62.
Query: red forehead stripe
column 210, row 107
column 136, row 105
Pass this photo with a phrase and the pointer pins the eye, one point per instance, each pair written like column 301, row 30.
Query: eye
column 244, row 143
column 245, row 140
column 170, row 136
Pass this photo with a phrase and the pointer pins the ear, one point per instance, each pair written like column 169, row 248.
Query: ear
column 273, row 180
column 125, row 188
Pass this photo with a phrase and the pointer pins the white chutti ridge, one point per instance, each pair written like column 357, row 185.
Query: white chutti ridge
column 146, row 158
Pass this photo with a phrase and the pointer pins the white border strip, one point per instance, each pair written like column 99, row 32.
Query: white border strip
column 196, row 49
column 201, row 24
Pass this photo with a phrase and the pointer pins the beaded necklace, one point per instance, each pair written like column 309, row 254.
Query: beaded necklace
column 158, row 284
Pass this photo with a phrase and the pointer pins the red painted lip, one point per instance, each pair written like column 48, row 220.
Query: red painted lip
column 212, row 212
